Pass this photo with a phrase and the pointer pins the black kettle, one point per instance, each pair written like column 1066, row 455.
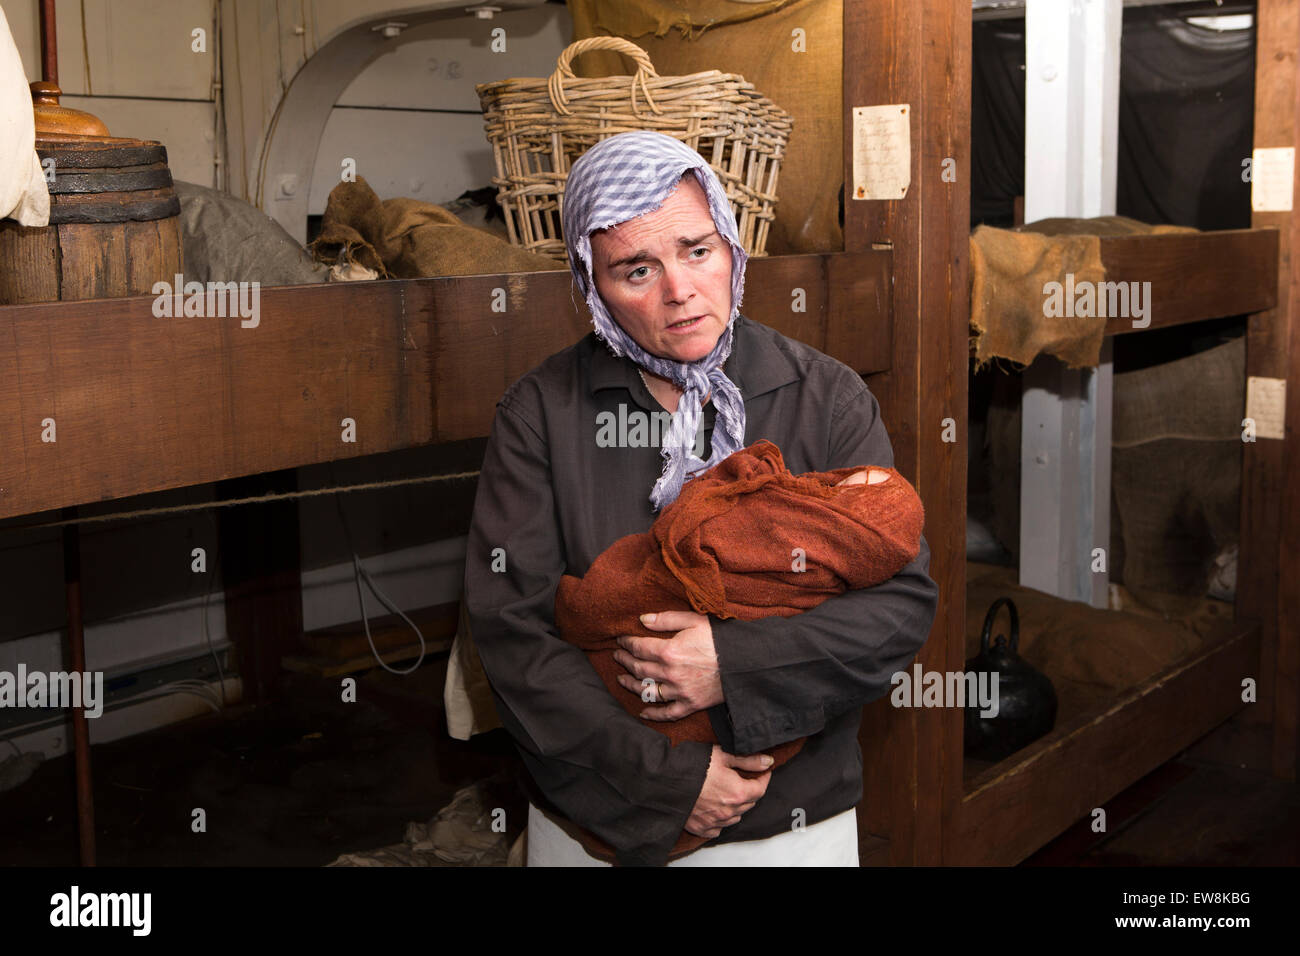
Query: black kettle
column 1026, row 700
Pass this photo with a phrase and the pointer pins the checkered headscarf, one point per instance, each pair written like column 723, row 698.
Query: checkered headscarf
column 618, row 179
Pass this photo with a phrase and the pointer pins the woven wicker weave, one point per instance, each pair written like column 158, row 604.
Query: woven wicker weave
column 538, row 129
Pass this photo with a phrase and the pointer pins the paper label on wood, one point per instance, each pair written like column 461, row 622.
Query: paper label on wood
column 882, row 151
column 1266, row 405
column 1272, row 177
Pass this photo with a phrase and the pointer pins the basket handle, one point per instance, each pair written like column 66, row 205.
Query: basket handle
column 562, row 70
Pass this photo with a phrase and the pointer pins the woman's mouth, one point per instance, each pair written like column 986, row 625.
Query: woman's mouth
column 685, row 325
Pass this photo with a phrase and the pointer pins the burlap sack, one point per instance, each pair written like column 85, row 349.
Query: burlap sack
column 1176, row 467
column 1009, row 274
column 1009, row 271
column 409, row 239
column 756, row 40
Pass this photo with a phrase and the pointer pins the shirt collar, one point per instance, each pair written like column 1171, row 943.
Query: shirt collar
column 755, row 364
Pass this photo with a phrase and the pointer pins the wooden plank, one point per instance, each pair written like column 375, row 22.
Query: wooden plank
column 153, row 254
column 1020, row 804
column 486, row 332
column 918, row 52
column 143, row 403
column 860, row 310
column 1269, row 340
column 30, row 258
column 872, row 850
column 1069, row 848
column 480, row 349
column 92, row 260
column 1286, row 709
column 1195, row 276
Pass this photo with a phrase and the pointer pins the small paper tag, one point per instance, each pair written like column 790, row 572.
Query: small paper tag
column 1272, row 178
column 1266, row 405
column 882, row 151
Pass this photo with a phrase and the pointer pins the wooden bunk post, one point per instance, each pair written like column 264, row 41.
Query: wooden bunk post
column 1268, row 567
column 1071, row 148
column 1286, row 710
column 917, row 52
column 262, row 577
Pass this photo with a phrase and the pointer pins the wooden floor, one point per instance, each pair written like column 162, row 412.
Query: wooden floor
column 295, row 783
column 307, row 779
column 1190, row 812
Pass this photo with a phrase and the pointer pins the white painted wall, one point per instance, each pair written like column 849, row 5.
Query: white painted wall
column 412, row 119
column 131, row 63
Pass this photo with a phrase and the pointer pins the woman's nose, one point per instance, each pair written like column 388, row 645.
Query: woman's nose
column 678, row 283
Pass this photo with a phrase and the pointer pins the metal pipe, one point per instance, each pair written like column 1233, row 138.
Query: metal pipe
column 49, row 44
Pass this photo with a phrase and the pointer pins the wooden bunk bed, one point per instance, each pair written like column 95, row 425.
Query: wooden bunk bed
column 145, row 404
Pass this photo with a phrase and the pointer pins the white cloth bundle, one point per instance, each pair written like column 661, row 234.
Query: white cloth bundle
column 23, row 193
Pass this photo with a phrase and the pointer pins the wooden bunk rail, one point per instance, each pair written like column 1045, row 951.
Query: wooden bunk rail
column 1194, row 276
column 102, row 400
column 1014, row 808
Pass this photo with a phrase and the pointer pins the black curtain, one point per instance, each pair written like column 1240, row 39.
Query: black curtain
column 997, row 120
column 1185, row 120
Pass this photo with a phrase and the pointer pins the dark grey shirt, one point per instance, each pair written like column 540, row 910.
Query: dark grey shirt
column 552, row 496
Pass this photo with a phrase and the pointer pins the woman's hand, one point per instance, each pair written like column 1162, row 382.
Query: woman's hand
column 684, row 669
column 726, row 795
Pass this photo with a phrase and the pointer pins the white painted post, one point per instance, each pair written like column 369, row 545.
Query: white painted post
column 1072, row 52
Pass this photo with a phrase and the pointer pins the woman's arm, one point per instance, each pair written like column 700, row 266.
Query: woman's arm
column 601, row 767
column 784, row 678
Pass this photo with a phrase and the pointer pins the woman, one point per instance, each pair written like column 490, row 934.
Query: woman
column 654, row 250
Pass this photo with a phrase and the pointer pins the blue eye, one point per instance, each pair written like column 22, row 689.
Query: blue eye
column 633, row 273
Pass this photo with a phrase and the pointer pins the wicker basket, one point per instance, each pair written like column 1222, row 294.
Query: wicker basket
column 538, row 128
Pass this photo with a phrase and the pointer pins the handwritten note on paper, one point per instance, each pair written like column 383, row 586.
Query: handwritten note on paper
column 1272, row 177
column 882, row 151
column 1266, row 404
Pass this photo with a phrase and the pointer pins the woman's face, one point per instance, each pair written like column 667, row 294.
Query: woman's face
column 659, row 269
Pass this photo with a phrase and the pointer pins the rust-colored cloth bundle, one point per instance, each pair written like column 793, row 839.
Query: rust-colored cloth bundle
column 727, row 547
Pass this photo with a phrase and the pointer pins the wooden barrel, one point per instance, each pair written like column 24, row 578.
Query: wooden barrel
column 114, row 224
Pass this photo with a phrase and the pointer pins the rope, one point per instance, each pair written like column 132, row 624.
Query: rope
column 232, row 502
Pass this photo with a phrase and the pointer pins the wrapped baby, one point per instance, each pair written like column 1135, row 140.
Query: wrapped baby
column 746, row 539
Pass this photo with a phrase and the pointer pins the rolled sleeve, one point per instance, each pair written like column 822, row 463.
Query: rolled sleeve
column 786, row 677
column 622, row 780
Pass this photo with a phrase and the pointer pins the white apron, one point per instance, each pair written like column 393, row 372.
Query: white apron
column 832, row 842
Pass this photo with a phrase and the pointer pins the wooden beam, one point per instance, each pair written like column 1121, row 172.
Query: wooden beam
column 1286, row 663
column 917, row 52
column 1071, row 146
column 262, row 578
column 142, row 403
column 1269, row 466
column 1207, row 275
